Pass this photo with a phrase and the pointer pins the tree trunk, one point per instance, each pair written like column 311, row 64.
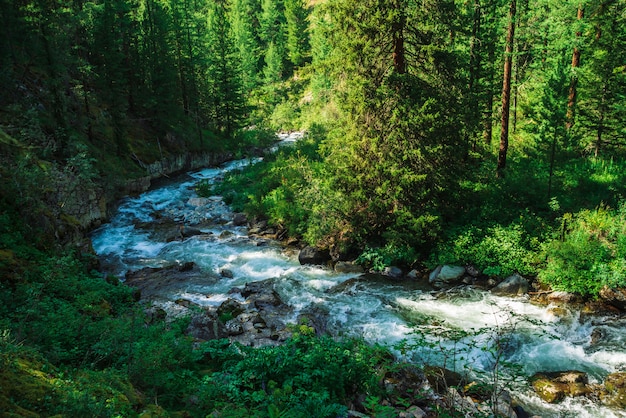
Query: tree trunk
column 571, row 97
column 489, row 71
column 397, row 27
column 506, row 91
column 600, row 126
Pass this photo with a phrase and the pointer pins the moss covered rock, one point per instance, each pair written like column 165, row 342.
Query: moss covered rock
column 553, row 387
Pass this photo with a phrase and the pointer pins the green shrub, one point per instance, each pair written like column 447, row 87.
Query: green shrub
column 590, row 252
column 377, row 259
column 307, row 376
column 496, row 250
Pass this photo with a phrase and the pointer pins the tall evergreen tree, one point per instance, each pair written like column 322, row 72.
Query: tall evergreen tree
column 399, row 91
column 297, row 42
column 225, row 100
column 246, row 45
column 506, row 89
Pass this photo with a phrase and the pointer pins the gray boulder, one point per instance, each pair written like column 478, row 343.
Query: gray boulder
column 514, row 285
column 392, row 271
column 444, row 276
column 348, row 267
column 313, row 255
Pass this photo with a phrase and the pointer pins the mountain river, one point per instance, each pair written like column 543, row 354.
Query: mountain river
column 459, row 329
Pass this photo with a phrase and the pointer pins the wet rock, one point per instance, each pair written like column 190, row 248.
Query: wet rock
column 261, row 294
column 226, row 273
column 456, row 402
column 198, row 201
column 163, row 282
column 613, row 392
column 514, row 285
column 413, row 412
column 313, row 255
column 188, row 232
column 240, row 219
column 348, row 267
column 154, row 314
column 392, row 271
column 316, row 317
column 206, row 326
column 186, row 303
column 229, row 309
column 444, row 276
column 233, row 327
column 441, row 379
column 614, row 297
column 553, row 387
column 225, row 234
column 350, row 286
column 187, row 266
column 563, row 298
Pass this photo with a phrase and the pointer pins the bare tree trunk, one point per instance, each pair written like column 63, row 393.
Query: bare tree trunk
column 571, row 97
column 506, row 91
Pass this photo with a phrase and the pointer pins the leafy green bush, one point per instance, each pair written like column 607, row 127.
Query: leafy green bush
column 307, row 376
column 590, row 253
column 496, row 250
column 378, row 258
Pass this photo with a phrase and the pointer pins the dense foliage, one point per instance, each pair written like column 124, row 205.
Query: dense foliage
column 399, row 99
column 399, row 161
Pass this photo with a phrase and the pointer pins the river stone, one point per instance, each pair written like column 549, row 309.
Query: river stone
column 563, row 297
column 205, row 326
column 348, row 267
column 441, row 379
column 313, row 255
column 392, row 271
column 614, row 297
column 446, row 275
column 413, row 412
column 233, row 327
column 227, row 273
column 553, row 387
column 230, row 308
column 240, row 219
column 514, row 285
column 614, row 393
column 198, row 201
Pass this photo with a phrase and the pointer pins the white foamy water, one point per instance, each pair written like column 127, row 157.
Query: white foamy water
column 469, row 330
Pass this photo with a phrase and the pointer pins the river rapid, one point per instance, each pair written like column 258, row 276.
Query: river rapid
column 468, row 330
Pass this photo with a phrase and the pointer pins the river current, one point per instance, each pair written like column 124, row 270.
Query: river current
column 468, row 330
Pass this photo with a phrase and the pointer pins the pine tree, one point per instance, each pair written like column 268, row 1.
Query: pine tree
column 400, row 115
column 225, row 102
column 296, row 17
column 506, row 90
column 246, row 46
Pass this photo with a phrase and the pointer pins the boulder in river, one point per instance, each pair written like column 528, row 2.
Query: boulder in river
column 239, row 219
column 163, row 282
column 614, row 297
column 313, row 255
column 613, row 392
column 514, row 285
column 553, row 387
column 393, row 272
column 348, row 267
column 444, row 276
